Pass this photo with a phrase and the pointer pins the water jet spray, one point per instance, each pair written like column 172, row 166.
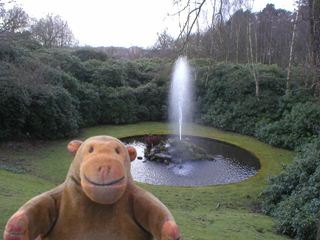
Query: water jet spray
column 181, row 96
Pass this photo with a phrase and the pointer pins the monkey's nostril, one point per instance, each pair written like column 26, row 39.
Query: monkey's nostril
column 108, row 168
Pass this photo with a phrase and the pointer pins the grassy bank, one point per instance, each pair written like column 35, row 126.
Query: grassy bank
column 214, row 212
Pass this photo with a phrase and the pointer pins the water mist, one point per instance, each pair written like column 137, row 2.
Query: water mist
column 181, row 96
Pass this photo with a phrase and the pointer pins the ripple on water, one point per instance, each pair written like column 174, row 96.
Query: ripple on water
column 232, row 164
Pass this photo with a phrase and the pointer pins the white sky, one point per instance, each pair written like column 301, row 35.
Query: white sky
column 120, row 23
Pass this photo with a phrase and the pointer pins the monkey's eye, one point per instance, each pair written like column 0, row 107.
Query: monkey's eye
column 117, row 151
column 91, row 150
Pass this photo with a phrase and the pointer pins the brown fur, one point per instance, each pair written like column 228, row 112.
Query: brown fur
column 98, row 200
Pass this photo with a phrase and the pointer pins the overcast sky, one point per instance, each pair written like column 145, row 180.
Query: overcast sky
column 123, row 23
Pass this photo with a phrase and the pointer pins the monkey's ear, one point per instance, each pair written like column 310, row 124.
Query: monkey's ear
column 73, row 147
column 132, row 153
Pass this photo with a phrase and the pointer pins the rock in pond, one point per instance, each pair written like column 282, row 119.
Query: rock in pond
column 175, row 150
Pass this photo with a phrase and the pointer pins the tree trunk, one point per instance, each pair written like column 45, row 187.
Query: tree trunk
column 251, row 64
column 291, row 48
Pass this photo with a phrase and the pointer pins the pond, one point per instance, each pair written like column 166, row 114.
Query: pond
column 232, row 164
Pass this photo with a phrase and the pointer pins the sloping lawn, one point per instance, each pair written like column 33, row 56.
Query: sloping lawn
column 214, row 212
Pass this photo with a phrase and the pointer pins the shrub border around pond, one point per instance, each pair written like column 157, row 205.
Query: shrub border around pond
column 223, row 211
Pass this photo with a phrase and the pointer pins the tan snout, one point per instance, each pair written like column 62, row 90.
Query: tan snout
column 103, row 179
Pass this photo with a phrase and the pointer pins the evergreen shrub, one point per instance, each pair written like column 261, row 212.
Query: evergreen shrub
column 89, row 104
column 52, row 114
column 14, row 109
column 293, row 197
column 118, row 106
column 295, row 128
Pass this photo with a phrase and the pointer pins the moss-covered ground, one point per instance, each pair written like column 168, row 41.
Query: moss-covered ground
column 213, row 212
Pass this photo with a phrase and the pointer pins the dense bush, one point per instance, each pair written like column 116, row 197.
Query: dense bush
column 64, row 59
column 225, row 93
column 51, row 93
column 52, row 114
column 10, row 51
column 85, row 54
column 89, row 104
column 152, row 100
column 109, row 75
column 293, row 197
column 227, row 97
column 14, row 109
column 295, row 128
column 118, row 106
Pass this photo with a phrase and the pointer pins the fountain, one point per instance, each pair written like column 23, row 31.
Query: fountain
column 185, row 160
column 180, row 111
column 180, row 98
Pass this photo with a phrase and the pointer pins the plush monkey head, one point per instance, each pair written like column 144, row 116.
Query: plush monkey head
column 102, row 165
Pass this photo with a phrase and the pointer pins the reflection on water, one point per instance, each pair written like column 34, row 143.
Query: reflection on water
column 232, row 164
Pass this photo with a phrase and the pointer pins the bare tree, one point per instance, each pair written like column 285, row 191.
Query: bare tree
column 214, row 12
column 52, row 31
column 164, row 42
column 13, row 20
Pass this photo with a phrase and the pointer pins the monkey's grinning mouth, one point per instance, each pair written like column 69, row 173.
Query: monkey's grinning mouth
column 102, row 184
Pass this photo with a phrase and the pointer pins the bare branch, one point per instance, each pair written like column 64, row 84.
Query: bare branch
column 180, row 11
column 198, row 11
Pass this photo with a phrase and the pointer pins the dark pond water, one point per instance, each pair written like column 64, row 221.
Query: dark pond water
column 233, row 164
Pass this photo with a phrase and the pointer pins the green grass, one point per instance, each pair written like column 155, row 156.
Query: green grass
column 194, row 208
